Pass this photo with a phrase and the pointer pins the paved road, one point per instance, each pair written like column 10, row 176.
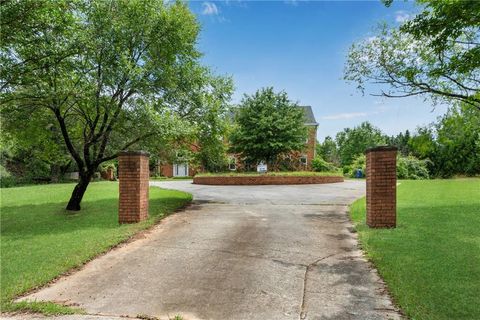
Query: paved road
column 239, row 252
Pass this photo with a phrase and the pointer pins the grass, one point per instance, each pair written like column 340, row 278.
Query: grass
column 431, row 261
column 280, row 173
column 40, row 240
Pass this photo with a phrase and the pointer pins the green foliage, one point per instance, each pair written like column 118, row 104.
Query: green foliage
column 328, row 150
column 320, row 165
column 443, row 22
column 359, row 163
column 354, row 142
column 6, row 179
column 212, row 156
column 458, row 142
column 407, row 167
column 108, row 165
column 102, row 76
column 267, row 125
column 401, row 141
column 32, row 254
column 435, row 54
column 213, row 126
column 45, row 308
column 412, row 168
column 452, row 143
column 4, row 172
column 430, row 261
column 423, row 143
column 445, row 148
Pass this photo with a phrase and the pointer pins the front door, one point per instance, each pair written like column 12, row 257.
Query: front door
column 180, row 170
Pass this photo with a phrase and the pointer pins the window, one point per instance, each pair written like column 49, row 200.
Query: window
column 232, row 164
column 303, row 160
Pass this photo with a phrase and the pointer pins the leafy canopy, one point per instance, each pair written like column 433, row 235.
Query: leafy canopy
column 452, row 144
column 109, row 75
column 327, row 150
column 267, row 125
column 354, row 141
column 436, row 55
column 212, row 127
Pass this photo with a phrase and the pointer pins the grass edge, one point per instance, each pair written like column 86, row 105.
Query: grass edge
column 49, row 308
column 370, row 261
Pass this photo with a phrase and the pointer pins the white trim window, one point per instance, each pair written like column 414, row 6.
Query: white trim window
column 304, row 160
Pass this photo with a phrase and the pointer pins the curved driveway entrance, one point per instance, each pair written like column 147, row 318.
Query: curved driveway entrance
column 239, row 252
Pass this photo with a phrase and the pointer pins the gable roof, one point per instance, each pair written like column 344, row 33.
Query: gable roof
column 309, row 116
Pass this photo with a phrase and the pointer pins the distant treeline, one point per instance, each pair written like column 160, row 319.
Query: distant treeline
column 449, row 146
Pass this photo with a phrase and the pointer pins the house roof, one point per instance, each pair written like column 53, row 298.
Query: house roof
column 309, row 116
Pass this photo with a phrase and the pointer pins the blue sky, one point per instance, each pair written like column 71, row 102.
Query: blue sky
column 301, row 47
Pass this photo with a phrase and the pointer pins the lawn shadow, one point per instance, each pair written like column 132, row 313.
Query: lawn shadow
column 52, row 218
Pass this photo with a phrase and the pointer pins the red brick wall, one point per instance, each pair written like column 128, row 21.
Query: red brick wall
column 263, row 180
column 382, row 187
column 133, row 174
column 166, row 170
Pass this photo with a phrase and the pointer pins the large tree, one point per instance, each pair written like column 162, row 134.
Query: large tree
column 401, row 141
column 267, row 125
column 452, row 144
column 458, row 138
column 436, row 55
column 352, row 142
column 328, row 151
column 108, row 74
column 212, row 127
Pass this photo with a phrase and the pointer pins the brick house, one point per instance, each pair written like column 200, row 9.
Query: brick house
column 311, row 142
column 302, row 160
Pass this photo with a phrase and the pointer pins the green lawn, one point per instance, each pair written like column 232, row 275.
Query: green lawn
column 40, row 240
column 279, row 173
column 431, row 261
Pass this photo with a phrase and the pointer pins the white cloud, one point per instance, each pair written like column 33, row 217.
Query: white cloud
column 401, row 16
column 291, row 2
column 340, row 116
column 210, row 9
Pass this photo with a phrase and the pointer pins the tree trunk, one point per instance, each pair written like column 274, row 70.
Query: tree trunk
column 78, row 192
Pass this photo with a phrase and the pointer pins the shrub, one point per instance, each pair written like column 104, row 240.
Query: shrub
column 320, row 165
column 359, row 163
column 107, row 165
column 412, row 168
column 6, row 179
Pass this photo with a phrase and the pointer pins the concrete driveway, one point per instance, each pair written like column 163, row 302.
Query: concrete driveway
column 239, row 252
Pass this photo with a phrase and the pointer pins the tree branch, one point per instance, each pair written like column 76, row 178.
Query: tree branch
column 103, row 159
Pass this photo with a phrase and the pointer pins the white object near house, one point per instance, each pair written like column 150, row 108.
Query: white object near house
column 262, row 167
column 180, row 170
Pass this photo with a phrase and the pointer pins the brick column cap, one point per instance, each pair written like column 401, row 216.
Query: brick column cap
column 381, row 148
column 134, row 153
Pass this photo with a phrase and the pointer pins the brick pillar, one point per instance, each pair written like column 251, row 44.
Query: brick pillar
column 133, row 175
column 382, row 187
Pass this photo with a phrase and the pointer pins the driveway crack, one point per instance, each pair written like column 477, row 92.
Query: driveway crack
column 308, row 268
